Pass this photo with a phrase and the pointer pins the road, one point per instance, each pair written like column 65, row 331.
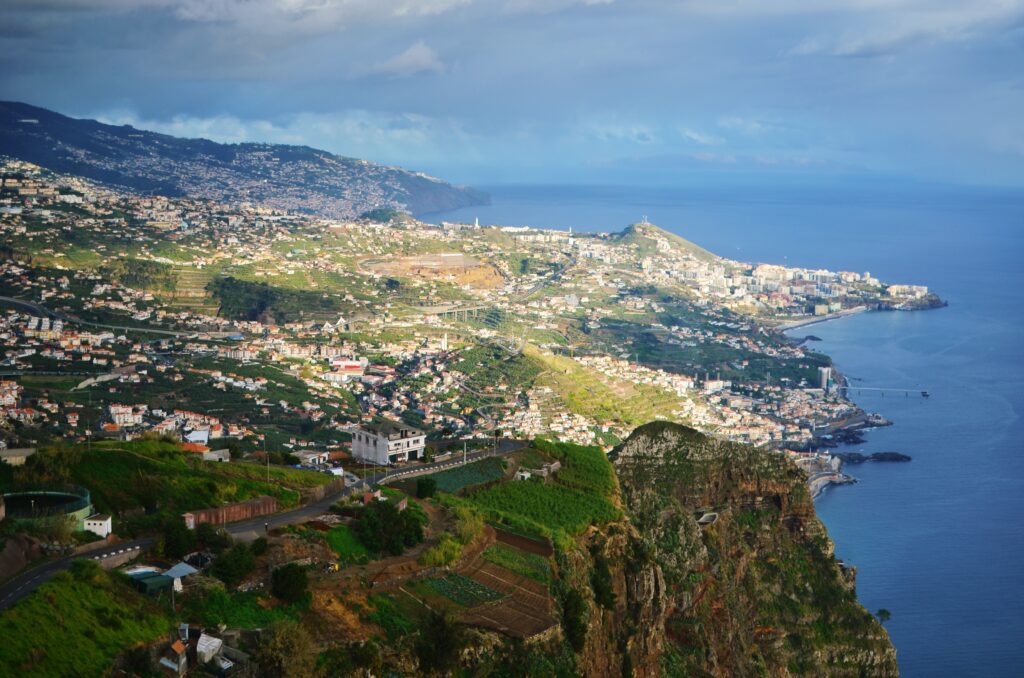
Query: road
column 28, row 581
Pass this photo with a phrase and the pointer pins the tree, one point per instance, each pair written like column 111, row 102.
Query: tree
column 232, row 566
column 574, row 619
column 286, row 651
column 601, row 582
column 209, row 536
column 346, row 660
column 178, row 539
column 425, row 487
column 883, row 615
column 381, row 527
column 258, row 546
column 439, row 644
column 289, row 582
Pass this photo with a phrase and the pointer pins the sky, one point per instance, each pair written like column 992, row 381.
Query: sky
column 554, row 91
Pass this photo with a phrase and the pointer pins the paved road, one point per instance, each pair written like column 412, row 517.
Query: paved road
column 24, row 583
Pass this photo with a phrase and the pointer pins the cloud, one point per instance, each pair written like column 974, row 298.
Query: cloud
column 740, row 124
column 613, row 131
column 418, row 58
column 387, row 137
column 698, row 137
column 887, row 28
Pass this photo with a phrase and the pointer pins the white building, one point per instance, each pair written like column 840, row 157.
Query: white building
column 99, row 524
column 387, row 442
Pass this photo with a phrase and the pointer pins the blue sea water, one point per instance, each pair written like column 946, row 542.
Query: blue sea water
column 938, row 541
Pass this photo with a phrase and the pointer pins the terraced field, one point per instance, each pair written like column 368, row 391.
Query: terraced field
column 525, row 610
column 190, row 290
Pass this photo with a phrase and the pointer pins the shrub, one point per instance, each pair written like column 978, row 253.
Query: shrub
column 574, row 619
column 425, row 487
column 468, row 523
column 178, row 540
column 439, row 644
column 286, row 652
column 289, row 582
column 258, row 546
column 445, row 552
column 232, row 566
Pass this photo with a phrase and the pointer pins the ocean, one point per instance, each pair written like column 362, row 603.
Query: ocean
column 938, row 541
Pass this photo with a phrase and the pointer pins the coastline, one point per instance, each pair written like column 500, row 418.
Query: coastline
column 796, row 324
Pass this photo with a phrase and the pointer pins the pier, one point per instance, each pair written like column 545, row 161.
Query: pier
column 906, row 391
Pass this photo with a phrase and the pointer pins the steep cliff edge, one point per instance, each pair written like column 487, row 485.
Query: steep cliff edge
column 721, row 569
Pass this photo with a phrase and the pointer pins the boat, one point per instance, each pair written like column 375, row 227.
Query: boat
column 926, row 394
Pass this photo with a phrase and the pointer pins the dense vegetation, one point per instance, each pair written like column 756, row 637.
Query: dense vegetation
column 545, row 508
column 382, row 528
column 244, row 300
column 140, row 274
column 580, row 494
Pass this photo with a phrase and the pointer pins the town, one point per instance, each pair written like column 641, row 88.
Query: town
column 325, row 378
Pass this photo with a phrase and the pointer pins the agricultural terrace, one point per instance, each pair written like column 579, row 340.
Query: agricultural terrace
column 529, row 565
column 581, row 494
column 462, row 477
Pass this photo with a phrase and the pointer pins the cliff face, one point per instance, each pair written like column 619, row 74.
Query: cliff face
column 752, row 590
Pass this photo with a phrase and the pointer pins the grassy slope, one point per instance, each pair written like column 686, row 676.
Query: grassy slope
column 595, row 395
column 76, row 625
column 127, row 475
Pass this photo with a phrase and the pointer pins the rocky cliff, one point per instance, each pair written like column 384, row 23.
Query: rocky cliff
column 720, row 569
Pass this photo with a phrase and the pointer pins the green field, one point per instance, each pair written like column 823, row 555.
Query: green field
column 76, row 624
column 463, row 590
column 547, row 508
column 527, row 564
column 477, row 473
column 580, row 493
column 242, row 610
column 346, row 545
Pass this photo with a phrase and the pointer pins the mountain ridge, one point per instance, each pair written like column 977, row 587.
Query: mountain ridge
column 291, row 177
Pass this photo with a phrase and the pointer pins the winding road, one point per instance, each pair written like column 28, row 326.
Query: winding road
column 29, row 580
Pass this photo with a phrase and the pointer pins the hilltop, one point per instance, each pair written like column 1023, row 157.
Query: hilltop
column 646, row 236
column 296, row 178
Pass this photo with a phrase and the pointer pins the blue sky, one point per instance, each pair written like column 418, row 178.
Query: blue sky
column 756, row 91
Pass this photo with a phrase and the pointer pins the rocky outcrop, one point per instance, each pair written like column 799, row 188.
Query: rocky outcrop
column 752, row 589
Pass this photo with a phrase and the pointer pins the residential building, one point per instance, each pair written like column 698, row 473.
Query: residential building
column 387, row 442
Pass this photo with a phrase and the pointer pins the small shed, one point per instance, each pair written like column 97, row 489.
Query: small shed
column 100, row 524
column 207, row 648
column 179, row 572
column 151, row 583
